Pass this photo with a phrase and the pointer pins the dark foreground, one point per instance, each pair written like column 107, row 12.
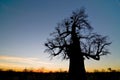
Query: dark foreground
column 10, row 75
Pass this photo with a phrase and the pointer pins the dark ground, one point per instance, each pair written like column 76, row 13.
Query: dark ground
column 11, row 75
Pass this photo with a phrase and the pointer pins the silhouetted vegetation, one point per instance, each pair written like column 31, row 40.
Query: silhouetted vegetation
column 12, row 75
column 74, row 40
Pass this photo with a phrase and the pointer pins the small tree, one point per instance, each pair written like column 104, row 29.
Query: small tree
column 73, row 38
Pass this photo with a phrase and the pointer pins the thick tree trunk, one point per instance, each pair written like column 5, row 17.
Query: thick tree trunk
column 76, row 64
column 77, row 69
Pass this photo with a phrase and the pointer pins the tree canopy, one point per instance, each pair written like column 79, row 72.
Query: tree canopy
column 92, row 45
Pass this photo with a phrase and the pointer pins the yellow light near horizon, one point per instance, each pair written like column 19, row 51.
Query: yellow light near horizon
column 14, row 67
column 36, row 65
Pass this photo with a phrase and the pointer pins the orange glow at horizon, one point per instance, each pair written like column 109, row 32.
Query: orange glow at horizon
column 29, row 64
column 35, row 65
column 20, row 69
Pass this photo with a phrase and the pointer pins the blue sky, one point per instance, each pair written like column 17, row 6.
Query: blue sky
column 26, row 24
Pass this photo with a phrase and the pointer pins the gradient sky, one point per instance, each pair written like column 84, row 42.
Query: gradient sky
column 26, row 24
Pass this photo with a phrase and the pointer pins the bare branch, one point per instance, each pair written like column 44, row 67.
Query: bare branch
column 78, row 31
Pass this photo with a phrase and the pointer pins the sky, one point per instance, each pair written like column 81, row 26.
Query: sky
column 25, row 26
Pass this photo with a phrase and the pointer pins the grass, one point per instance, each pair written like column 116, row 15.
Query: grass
column 11, row 75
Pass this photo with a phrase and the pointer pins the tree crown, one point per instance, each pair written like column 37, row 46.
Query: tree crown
column 92, row 45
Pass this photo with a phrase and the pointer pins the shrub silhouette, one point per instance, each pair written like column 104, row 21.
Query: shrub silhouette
column 6, row 75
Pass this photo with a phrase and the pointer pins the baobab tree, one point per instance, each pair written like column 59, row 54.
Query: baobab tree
column 75, row 40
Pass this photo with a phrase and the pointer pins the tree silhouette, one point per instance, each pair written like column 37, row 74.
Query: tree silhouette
column 74, row 40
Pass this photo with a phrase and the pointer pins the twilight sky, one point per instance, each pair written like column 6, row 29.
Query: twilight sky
column 26, row 24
